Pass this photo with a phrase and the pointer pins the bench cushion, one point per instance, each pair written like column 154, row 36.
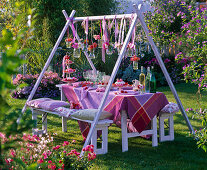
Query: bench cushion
column 170, row 108
column 89, row 114
column 47, row 104
column 36, row 102
column 83, row 114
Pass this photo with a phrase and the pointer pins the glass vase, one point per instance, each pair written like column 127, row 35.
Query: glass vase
column 92, row 55
column 130, row 52
column 110, row 49
column 76, row 53
column 100, row 43
column 135, row 65
column 68, row 44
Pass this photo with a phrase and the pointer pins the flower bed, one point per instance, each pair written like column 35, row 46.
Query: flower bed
column 46, row 88
column 41, row 153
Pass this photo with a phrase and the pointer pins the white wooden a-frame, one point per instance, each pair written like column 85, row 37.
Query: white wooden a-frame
column 137, row 15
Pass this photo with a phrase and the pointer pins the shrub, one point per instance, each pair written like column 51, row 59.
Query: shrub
column 47, row 87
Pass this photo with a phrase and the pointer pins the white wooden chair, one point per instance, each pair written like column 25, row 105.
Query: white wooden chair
column 126, row 135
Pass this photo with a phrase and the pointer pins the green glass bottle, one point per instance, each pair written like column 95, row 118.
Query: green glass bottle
column 142, row 78
column 148, row 79
column 152, row 81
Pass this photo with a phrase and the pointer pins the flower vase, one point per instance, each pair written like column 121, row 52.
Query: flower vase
column 68, row 44
column 135, row 65
column 130, row 52
column 76, row 53
column 100, row 43
column 110, row 49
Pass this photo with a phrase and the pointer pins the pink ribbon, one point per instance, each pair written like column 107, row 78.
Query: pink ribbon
column 105, row 38
column 73, row 30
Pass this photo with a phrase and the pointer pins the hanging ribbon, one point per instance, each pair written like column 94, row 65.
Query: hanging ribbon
column 116, row 31
column 110, row 25
column 73, row 30
column 119, row 40
column 105, row 39
column 123, row 30
column 133, row 33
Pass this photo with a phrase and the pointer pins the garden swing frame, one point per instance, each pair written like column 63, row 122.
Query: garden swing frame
column 137, row 15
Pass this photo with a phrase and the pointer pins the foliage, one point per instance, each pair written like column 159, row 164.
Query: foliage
column 193, row 48
column 163, row 22
column 42, row 153
column 47, row 87
column 12, row 47
column 201, row 134
column 40, row 48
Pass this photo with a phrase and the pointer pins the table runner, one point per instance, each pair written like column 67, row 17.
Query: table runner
column 141, row 108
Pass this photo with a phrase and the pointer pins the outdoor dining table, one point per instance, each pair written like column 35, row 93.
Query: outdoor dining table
column 140, row 108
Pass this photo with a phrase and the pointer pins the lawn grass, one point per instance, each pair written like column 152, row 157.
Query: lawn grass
column 182, row 153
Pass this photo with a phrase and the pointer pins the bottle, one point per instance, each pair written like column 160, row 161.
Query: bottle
column 142, row 78
column 152, row 82
column 148, row 79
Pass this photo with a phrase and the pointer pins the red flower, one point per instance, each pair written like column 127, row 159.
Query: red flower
column 135, row 58
column 68, row 39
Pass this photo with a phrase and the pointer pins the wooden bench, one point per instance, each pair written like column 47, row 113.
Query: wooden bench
column 102, row 125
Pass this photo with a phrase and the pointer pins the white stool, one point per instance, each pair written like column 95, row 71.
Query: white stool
column 103, row 126
column 162, row 118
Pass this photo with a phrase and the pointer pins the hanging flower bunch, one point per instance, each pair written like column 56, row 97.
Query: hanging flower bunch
column 130, row 45
column 96, row 37
column 75, row 45
column 135, row 58
column 68, row 39
column 106, row 45
column 92, row 47
column 85, row 42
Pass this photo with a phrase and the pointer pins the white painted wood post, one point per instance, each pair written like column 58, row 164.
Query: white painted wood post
column 124, row 131
column 44, row 122
column 116, row 67
column 154, row 129
column 162, row 66
column 47, row 63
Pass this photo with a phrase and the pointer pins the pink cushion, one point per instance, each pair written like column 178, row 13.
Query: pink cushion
column 35, row 103
column 170, row 108
column 50, row 105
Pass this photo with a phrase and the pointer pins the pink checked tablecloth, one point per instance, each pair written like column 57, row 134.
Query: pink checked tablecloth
column 140, row 108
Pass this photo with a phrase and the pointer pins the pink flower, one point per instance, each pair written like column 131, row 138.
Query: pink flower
column 65, row 143
column 49, row 161
column 96, row 37
column 40, row 161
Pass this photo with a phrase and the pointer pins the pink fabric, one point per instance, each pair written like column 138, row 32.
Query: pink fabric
column 140, row 108
column 36, row 102
column 52, row 104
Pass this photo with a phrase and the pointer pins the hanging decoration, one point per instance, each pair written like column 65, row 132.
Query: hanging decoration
column 68, row 40
column 135, row 61
column 91, row 49
column 67, row 71
column 76, row 50
column 105, row 39
column 86, row 41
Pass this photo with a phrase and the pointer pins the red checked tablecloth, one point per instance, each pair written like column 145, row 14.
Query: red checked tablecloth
column 141, row 108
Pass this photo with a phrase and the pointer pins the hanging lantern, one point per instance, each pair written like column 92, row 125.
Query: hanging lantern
column 135, row 61
column 110, row 49
column 92, row 48
column 76, row 51
column 68, row 42
column 130, row 49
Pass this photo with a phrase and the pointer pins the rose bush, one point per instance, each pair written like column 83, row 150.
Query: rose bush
column 42, row 153
column 47, row 87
